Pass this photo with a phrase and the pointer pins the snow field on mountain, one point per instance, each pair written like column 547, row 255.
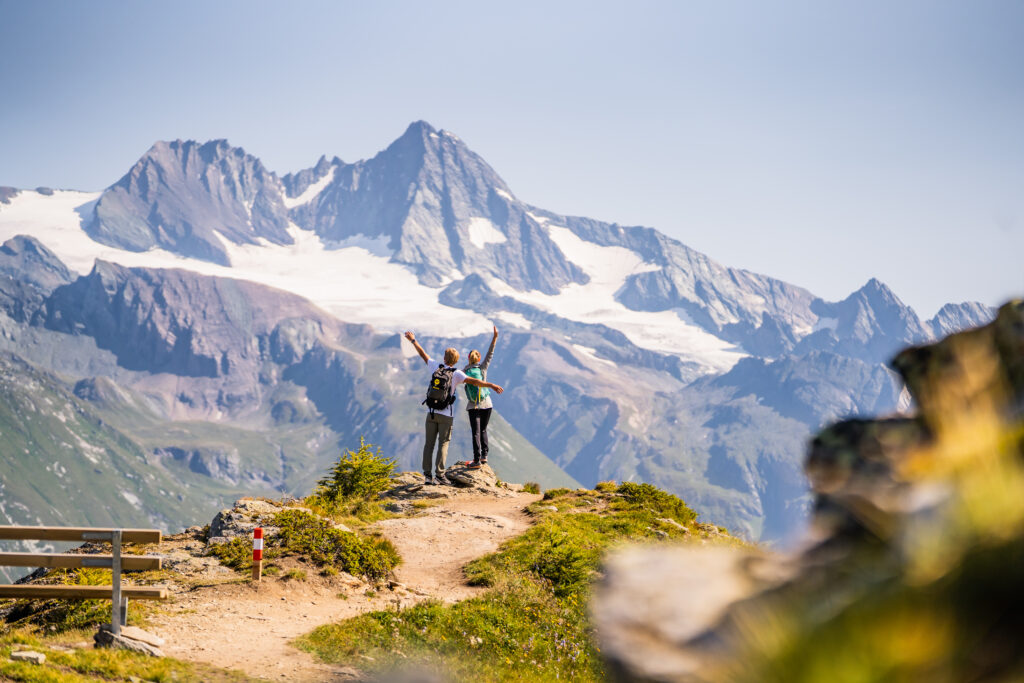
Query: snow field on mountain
column 608, row 267
column 591, row 354
column 311, row 191
column 53, row 221
column 355, row 282
column 517, row 319
column 826, row 324
column 482, row 232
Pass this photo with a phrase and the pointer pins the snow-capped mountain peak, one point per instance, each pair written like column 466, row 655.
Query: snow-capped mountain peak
column 180, row 193
column 377, row 239
column 628, row 355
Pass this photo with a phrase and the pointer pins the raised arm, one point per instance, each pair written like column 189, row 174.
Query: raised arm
column 486, row 385
column 490, row 351
column 419, row 349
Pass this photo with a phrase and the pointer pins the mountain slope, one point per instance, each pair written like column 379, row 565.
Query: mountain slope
column 953, row 318
column 181, row 195
column 441, row 209
column 625, row 354
column 210, row 388
column 61, row 461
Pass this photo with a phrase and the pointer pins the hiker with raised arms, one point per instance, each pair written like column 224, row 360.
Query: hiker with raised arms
column 478, row 403
column 440, row 403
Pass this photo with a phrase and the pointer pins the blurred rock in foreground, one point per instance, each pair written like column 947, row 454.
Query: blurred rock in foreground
column 914, row 567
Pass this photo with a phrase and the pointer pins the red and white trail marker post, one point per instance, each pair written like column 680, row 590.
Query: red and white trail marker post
column 257, row 553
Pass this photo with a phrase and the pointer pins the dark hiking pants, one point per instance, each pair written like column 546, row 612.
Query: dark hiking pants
column 478, row 419
column 439, row 430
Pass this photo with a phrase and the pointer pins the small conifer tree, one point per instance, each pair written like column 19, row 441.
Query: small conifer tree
column 364, row 474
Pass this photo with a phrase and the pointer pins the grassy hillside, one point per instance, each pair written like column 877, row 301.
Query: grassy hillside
column 62, row 461
column 531, row 622
column 105, row 457
column 67, row 665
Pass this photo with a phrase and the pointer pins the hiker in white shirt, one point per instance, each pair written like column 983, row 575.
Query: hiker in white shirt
column 440, row 417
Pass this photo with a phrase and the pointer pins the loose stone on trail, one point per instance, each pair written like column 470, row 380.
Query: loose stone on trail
column 28, row 656
column 131, row 638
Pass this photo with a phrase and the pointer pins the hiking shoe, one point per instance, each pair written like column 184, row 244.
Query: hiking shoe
column 467, row 463
column 473, row 466
column 442, row 480
column 428, row 481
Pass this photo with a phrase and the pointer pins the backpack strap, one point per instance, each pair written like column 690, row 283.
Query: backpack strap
column 471, row 390
column 440, row 366
column 452, row 396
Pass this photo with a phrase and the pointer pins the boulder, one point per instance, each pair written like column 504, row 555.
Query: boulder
column 28, row 656
column 124, row 640
column 463, row 481
column 243, row 517
column 136, row 633
column 652, row 598
column 188, row 562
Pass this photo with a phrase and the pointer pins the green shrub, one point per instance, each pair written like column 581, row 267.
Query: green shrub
column 236, row 553
column 645, row 496
column 555, row 493
column 562, row 563
column 368, row 511
column 306, row 534
column 295, row 575
column 606, row 486
column 58, row 616
column 480, row 574
column 364, row 473
column 302, row 533
column 531, row 487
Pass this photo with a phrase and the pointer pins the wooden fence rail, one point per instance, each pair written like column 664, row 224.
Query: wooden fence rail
column 115, row 592
column 128, row 562
column 70, row 533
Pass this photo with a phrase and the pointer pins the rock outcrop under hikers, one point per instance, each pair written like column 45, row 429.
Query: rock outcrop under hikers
column 409, row 486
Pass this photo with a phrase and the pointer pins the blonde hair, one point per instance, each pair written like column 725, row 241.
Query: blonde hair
column 474, row 357
column 451, row 356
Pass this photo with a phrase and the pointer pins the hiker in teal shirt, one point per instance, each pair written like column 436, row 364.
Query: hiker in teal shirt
column 439, row 418
column 479, row 405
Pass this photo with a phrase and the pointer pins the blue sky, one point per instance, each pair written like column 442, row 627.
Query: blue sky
column 823, row 143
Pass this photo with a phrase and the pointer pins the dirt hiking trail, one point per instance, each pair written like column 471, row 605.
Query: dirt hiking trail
column 248, row 627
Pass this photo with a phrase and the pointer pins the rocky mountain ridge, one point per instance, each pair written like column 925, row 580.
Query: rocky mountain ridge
column 185, row 197
column 632, row 357
column 439, row 209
